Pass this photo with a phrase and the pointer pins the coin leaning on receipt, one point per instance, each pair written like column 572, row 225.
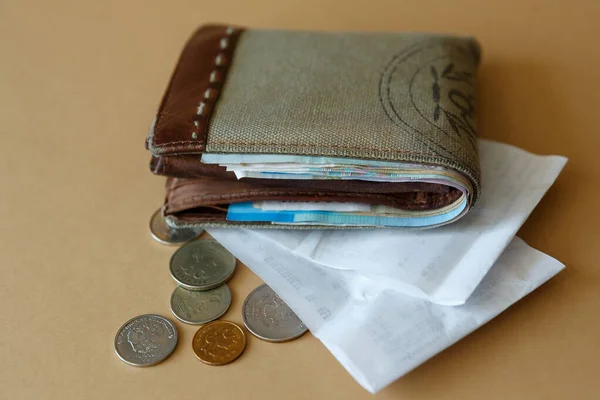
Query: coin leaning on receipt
column 268, row 317
column 200, row 269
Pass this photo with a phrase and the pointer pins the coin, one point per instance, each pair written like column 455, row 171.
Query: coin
column 146, row 340
column 163, row 233
column 219, row 342
column 202, row 265
column 269, row 318
column 194, row 307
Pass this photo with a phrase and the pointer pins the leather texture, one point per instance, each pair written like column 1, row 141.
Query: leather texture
column 206, row 199
column 218, row 94
column 181, row 124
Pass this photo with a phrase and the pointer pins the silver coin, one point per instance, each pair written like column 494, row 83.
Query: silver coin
column 268, row 317
column 197, row 308
column 163, row 233
column 202, row 265
column 146, row 340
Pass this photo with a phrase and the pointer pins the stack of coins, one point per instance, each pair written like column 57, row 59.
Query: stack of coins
column 201, row 269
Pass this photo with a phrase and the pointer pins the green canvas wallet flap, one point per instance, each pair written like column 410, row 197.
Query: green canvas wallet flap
column 402, row 97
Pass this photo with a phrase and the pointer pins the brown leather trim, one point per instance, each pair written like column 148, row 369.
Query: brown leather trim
column 184, row 113
column 194, row 194
column 173, row 165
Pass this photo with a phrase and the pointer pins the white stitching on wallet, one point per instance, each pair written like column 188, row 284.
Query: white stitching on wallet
column 201, row 108
column 208, row 93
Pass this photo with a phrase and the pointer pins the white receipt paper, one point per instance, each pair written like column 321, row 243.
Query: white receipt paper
column 375, row 332
column 443, row 265
column 370, row 296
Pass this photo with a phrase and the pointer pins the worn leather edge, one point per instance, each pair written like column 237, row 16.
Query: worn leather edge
column 184, row 194
column 187, row 166
column 181, row 123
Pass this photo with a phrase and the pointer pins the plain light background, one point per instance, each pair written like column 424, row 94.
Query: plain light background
column 79, row 84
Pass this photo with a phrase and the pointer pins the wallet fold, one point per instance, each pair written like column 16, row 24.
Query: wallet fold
column 398, row 98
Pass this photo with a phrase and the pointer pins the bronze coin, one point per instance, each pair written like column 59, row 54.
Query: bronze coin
column 219, row 342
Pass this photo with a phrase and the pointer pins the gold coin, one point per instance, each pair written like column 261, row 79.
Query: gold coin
column 219, row 342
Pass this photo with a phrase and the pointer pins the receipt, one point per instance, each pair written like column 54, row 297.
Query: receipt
column 376, row 332
column 443, row 265
column 385, row 301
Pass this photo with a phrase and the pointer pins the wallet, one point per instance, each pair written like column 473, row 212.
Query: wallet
column 257, row 124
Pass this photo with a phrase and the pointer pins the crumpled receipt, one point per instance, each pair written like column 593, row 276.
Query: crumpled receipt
column 377, row 333
column 385, row 301
column 443, row 265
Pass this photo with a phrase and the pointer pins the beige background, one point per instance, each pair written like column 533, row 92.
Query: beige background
column 79, row 83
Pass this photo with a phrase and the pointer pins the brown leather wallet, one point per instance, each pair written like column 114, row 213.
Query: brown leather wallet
column 391, row 98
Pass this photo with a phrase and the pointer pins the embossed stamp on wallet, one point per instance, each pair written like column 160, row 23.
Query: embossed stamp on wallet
column 299, row 129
